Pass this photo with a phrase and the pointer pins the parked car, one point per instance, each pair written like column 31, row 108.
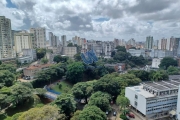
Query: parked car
column 131, row 115
column 114, row 113
column 107, row 112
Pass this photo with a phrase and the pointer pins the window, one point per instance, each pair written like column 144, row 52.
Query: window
column 136, row 96
column 135, row 103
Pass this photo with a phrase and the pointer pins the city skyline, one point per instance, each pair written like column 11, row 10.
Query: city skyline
column 99, row 20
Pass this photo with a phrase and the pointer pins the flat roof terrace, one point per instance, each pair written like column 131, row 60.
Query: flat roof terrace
column 163, row 85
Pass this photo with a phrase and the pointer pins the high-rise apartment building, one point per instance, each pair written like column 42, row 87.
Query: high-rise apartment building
column 50, row 38
column 23, row 40
column 149, row 42
column 12, row 34
column 63, row 41
column 172, row 41
column 53, row 40
column 176, row 45
column 6, row 48
column 40, row 37
column 163, row 43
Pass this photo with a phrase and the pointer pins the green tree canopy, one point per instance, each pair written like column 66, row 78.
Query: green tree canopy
column 75, row 72
column 6, row 78
column 173, row 70
column 121, row 48
column 167, row 61
column 130, row 79
column 92, row 113
column 120, row 56
column 160, row 75
column 47, row 112
column 123, row 102
column 41, row 52
column 101, row 100
column 83, row 90
column 44, row 60
column 76, row 115
column 57, row 58
column 141, row 74
column 9, row 67
column 66, row 103
column 77, row 57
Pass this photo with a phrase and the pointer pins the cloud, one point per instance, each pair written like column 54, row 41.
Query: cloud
column 97, row 19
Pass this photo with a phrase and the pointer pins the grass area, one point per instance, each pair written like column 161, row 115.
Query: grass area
column 65, row 87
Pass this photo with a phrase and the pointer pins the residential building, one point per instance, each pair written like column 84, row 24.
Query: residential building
column 30, row 52
column 149, row 42
column 50, row 38
column 40, row 37
column 155, row 44
column 172, row 41
column 116, row 42
column 63, row 41
column 12, row 34
column 32, row 71
column 119, row 67
column 176, row 45
column 137, row 53
column 6, row 44
column 178, row 106
column 156, row 62
column 155, row 53
column 154, row 100
column 23, row 40
column 25, row 59
column 69, row 51
column 163, row 44
column 130, row 43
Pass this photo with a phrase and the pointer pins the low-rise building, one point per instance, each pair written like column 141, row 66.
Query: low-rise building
column 69, row 51
column 30, row 52
column 178, row 106
column 137, row 53
column 31, row 71
column 156, row 62
column 155, row 53
column 25, row 59
column 154, row 100
column 119, row 67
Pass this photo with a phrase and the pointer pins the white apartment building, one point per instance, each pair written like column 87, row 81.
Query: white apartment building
column 69, row 51
column 149, row 42
column 156, row 62
column 30, row 52
column 23, row 40
column 154, row 100
column 6, row 48
column 40, row 37
column 178, row 106
column 155, row 53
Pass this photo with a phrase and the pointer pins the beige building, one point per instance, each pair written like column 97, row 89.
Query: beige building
column 6, row 48
column 23, row 40
column 70, row 51
column 40, row 37
column 31, row 71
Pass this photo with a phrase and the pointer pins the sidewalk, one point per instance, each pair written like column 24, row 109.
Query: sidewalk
column 138, row 115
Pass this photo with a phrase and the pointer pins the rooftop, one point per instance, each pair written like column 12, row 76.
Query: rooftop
column 38, row 66
column 141, row 91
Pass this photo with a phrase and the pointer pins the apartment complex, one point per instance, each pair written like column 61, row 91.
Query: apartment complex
column 154, row 99
column 53, row 39
column 149, row 42
column 63, row 41
column 69, row 51
column 6, row 48
column 156, row 62
column 137, row 53
column 40, row 37
column 23, row 40
column 31, row 71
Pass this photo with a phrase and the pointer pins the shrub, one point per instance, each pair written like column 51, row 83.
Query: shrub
column 60, row 86
column 123, row 117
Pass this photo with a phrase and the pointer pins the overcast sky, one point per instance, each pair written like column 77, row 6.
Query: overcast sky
column 97, row 19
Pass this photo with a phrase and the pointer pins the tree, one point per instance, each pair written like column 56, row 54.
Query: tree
column 101, row 100
column 167, row 61
column 0, row 62
column 7, row 78
column 9, row 67
column 123, row 102
column 75, row 72
column 47, row 112
column 121, row 48
column 120, row 56
column 66, row 103
column 76, row 115
column 113, row 53
column 77, row 57
column 40, row 91
column 130, row 79
column 70, row 45
column 44, row 61
column 41, row 52
column 172, row 70
column 141, row 74
column 92, row 113
column 57, row 58
column 160, row 75
column 82, row 90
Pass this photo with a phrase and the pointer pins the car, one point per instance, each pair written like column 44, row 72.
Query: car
column 114, row 113
column 131, row 115
column 107, row 112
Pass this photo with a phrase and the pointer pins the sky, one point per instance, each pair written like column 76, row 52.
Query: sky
column 97, row 19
